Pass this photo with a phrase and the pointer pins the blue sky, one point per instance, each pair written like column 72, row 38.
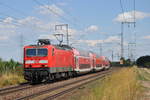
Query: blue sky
column 91, row 22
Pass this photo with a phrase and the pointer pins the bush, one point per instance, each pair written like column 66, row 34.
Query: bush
column 143, row 61
column 11, row 72
column 10, row 66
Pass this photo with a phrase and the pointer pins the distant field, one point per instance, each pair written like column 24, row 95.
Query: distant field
column 122, row 85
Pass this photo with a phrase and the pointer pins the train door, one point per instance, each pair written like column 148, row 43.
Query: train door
column 93, row 63
column 77, row 63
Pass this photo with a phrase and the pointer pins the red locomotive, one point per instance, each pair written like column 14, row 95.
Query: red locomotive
column 45, row 61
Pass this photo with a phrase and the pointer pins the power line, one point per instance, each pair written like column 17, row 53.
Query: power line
column 21, row 47
column 122, row 28
column 112, row 55
column 101, row 49
column 60, row 16
column 122, row 40
column 131, row 51
column 75, row 20
column 51, row 10
column 66, row 12
column 15, row 10
column 121, row 5
column 134, row 11
column 14, row 22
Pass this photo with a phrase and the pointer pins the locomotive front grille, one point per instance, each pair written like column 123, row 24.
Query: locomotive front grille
column 31, row 73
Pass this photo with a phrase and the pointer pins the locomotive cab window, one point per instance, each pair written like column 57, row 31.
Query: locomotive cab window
column 31, row 52
column 42, row 52
column 36, row 52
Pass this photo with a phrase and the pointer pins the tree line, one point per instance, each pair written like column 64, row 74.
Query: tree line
column 143, row 61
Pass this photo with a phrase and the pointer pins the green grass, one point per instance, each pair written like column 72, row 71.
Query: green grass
column 121, row 85
column 143, row 74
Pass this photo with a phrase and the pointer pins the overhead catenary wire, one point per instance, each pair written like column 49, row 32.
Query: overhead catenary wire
column 60, row 16
column 134, row 12
column 39, row 3
column 124, row 21
column 15, row 22
column 66, row 12
column 55, row 13
column 122, row 9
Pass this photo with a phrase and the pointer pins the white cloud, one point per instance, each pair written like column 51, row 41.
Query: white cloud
column 112, row 39
column 146, row 37
column 8, row 20
column 50, row 9
column 62, row 3
column 72, row 31
column 91, row 42
column 38, row 24
column 7, row 26
column 7, row 23
column 129, row 16
column 3, row 37
column 29, row 19
column 46, row 36
column 92, row 28
column 33, row 25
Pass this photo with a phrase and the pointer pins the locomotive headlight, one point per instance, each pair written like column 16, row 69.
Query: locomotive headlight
column 43, row 61
column 30, row 61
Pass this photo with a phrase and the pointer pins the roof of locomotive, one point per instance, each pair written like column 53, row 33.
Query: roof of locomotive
column 63, row 47
column 35, row 46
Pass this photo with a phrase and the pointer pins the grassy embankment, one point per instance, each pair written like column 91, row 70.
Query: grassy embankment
column 144, row 77
column 121, row 85
column 144, row 74
column 10, row 73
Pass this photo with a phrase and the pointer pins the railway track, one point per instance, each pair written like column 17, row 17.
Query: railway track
column 70, row 89
column 22, row 86
column 51, row 91
column 13, row 89
column 48, row 93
